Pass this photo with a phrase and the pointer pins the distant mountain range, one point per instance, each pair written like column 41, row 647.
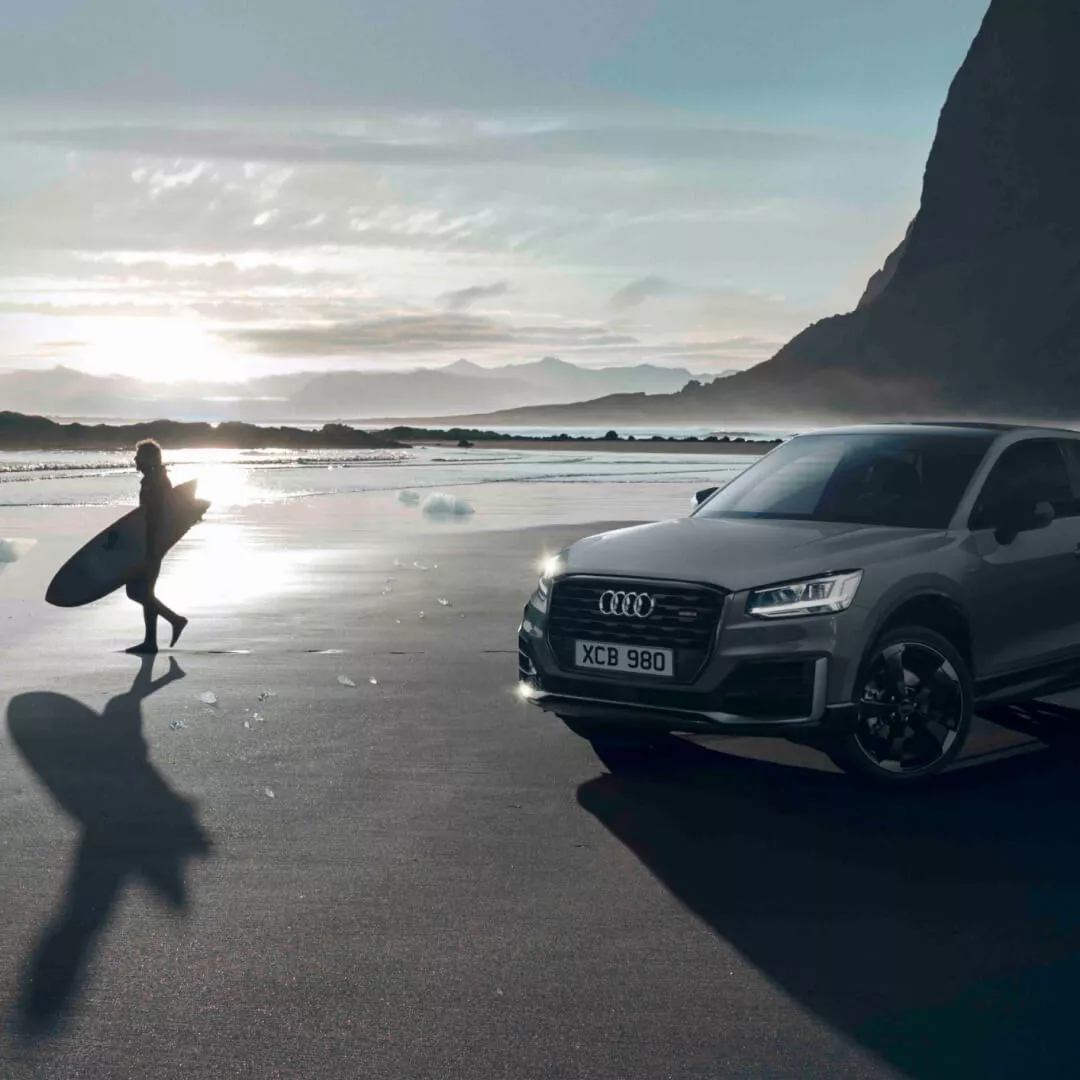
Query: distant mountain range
column 340, row 395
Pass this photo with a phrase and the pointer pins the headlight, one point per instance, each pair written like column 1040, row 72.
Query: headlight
column 550, row 569
column 812, row 596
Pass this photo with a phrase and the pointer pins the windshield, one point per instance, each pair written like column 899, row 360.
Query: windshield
column 906, row 479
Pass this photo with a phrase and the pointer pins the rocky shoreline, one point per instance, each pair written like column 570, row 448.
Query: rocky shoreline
column 22, row 432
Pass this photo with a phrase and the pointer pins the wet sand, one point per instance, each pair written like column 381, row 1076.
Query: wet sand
column 422, row 877
column 614, row 446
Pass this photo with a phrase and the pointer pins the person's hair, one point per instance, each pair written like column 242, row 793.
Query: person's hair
column 149, row 448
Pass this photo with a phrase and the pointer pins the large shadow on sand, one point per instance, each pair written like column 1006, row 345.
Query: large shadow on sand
column 134, row 826
column 939, row 930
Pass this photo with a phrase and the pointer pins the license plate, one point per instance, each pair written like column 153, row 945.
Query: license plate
column 633, row 659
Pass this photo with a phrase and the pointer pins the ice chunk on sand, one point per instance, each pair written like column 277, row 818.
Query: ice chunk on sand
column 268, row 792
column 443, row 602
column 247, row 723
column 13, row 550
column 408, row 498
column 441, row 504
column 345, row 680
column 208, row 697
column 373, row 681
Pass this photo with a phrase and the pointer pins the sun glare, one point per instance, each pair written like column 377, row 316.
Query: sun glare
column 225, row 486
column 223, row 563
column 157, row 350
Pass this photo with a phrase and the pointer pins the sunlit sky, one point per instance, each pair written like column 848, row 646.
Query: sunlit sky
column 214, row 190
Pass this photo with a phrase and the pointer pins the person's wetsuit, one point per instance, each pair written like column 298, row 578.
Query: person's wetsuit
column 153, row 493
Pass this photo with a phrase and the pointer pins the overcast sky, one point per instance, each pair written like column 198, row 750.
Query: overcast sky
column 204, row 188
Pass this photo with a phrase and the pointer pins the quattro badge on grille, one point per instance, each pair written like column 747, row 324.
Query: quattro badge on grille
column 631, row 605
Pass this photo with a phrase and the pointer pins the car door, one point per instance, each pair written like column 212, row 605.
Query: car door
column 1025, row 595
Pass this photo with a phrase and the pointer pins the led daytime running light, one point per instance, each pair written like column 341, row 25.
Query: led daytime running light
column 823, row 595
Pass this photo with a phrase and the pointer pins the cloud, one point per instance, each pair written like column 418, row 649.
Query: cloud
column 580, row 336
column 637, row 292
column 315, row 235
column 210, row 273
column 395, row 334
column 562, row 144
column 419, row 334
column 51, row 349
column 463, row 298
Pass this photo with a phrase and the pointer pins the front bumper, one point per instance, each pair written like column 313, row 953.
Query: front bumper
column 759, row 678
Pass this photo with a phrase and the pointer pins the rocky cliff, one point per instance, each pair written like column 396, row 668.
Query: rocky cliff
column 978, row 310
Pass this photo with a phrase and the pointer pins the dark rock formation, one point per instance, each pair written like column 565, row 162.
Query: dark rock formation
column 876, row 285
column 19, row 432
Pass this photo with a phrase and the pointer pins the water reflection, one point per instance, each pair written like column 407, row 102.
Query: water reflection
column 222, row 562
column 225, row 485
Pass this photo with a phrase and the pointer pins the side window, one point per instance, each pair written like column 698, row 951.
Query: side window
column 1033, row 470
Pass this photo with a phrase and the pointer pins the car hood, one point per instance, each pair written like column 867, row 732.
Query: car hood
column 741, row 553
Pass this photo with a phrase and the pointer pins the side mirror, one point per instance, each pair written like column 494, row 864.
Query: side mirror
column 1042, row 516
column 701, row 496
column 1022, row 516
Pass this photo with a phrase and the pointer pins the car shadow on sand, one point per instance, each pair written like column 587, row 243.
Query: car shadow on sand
column 133, row 826
column 939, row 929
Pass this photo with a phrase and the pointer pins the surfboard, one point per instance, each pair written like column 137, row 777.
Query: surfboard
column 118, row 554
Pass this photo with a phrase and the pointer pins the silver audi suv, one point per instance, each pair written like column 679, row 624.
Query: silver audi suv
column 861, row 590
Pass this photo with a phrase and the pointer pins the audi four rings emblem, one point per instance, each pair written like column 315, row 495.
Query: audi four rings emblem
column 633, row 605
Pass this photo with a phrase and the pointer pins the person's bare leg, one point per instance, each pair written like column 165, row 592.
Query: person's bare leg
column 149, row 643
column 151, row 607
column 177, row 622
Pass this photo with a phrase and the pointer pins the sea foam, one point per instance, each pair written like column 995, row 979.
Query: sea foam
column 440, row 504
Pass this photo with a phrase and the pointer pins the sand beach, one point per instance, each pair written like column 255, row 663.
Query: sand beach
column 323, row 838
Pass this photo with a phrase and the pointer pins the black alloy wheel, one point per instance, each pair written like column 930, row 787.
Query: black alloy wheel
column 913, row 701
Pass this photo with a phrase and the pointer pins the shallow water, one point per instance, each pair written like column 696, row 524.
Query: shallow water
column 234, row 478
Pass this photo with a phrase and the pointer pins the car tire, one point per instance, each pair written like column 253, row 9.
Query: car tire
column 914, row 702
column 621, row 748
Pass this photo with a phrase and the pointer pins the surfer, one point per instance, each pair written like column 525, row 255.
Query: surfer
column 153, row 492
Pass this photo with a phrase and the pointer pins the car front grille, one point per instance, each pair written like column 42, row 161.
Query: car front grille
column 683, row 618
